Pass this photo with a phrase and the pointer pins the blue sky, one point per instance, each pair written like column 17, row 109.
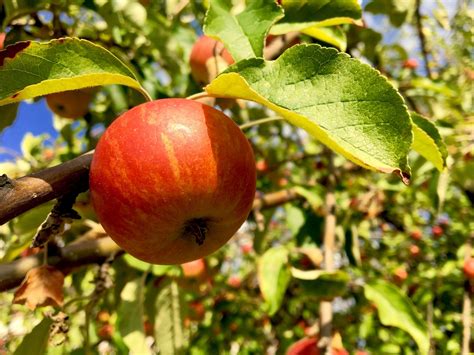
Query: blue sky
column 35, row 118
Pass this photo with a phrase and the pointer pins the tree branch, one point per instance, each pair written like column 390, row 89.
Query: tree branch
column 422, row 37
column 81, row 253
column 20, row 195
column 328, row 242
column 72, row 255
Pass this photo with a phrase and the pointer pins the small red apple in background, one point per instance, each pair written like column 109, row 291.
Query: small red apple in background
column 246, row 248
column 106, row 331
column 437, row 231
column 194, row 269
column 148, row 327
column 415, row 250
column 416, row 234
column 103, row 316
column 261, row 165
column 234, row 281
column 400, row 274
column 309, row 346
column 410, row 63
column 468, row 268
column 2, row 39
column 172, row 180
column 282, row 182
column 197, row 311
column 70, row 104
column 208, row 58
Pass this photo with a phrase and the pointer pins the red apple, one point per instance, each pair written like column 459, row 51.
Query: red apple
column 70, row 104
column 437, row 231
column 410, row 63
column 246, row 248
column 2, row 39
column 400, row 274
column 208, row 58
column 106, row 331
column 468, row 268
column 414, row 250
column 194, row 269
column 416, row 234
column 172, row 180
column 305, row 346
column 234, row 281
column 261, row 165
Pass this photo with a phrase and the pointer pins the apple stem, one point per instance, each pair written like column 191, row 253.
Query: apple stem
column 199, row 95
column 260, row 121
column 197, row 228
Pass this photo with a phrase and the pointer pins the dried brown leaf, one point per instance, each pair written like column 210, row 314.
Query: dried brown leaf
column 42, row 286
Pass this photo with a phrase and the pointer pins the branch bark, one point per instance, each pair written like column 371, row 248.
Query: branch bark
column 20, row 195
column 72, row 255
column 328, row 242
column 421, row 35
column 81, row 253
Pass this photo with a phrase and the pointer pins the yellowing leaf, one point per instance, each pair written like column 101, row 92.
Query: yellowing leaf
column 428, row 142
column 31, row 69
column 345, row 104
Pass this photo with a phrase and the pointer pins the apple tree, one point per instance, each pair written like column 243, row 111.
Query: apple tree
column 246, row 177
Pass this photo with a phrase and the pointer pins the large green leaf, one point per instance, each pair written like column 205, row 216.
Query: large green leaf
column 169, row 331
column 36, row 342
column 31, row 69
column 396, row 309
column 273, row 277
column 345, row 104
column 301, row 15
column 130, row 321
column 322, row 284
column 243, row 34
column 428, row 142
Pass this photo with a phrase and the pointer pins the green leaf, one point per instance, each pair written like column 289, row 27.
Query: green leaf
column 36, row 342
column 428, row 142
column 7, row 115
column 31, row 69
column 157, row 270
column 169, row 331
column 243, row 34
column 332, row 35
column 322, row 284
column 397, row 10
column 130, row 321
column 273, row 277
column 396, row 309
column 300, row 15
column 313, row 195
column 345, row 104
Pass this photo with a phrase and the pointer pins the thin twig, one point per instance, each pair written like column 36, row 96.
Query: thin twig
column 421, row 36
column 260, row 121
column 329, row 242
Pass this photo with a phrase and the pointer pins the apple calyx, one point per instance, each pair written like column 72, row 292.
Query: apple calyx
column 197, row 228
